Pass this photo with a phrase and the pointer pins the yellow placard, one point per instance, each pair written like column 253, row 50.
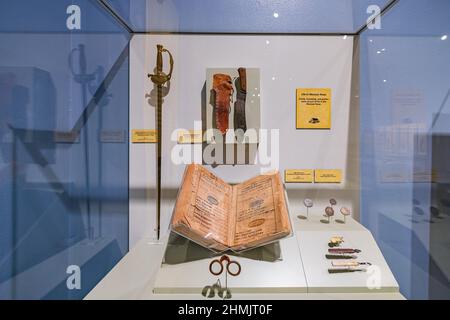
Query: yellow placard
column 190, row 136
column 298, row 176
column 144, row 136
column 313, row 108
column 327, row 176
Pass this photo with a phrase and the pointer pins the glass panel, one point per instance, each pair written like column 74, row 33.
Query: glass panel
column 63, row 149
column 256, row 16
column 405, row 117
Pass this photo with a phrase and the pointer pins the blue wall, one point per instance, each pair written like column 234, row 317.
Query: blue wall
column 62, row 202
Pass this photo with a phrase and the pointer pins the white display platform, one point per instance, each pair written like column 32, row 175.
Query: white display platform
column 313, row 237
column 133, row 278
column 302, row 274
column 281, row 276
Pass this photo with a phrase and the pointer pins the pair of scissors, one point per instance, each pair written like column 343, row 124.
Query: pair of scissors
column 225, row 259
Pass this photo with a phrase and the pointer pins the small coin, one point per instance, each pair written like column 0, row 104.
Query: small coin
column 345, row 211
column 308, row 203
column 329, row 211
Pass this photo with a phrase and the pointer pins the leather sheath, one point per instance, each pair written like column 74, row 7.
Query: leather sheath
column 239, row 105
column 223, row 89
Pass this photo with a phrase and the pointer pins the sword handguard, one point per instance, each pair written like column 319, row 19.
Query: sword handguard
column 160, row 78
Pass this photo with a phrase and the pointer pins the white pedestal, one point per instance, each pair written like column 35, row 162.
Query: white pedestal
column 301, row 274
column 281, row 276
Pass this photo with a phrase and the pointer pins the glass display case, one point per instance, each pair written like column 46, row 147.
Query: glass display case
column 105, row 103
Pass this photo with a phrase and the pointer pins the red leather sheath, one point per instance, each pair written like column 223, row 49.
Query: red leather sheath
column 223, row 88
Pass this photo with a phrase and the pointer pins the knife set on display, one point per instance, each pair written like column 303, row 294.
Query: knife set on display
column 233, row 99
column 344, row 260
column 223, row 95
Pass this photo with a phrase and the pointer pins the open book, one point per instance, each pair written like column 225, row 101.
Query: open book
column 220, row 216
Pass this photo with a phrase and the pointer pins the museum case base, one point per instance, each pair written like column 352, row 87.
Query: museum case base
column 142, row 275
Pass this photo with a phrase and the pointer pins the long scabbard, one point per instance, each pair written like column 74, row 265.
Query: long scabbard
column 159, row 160
column 159, row 79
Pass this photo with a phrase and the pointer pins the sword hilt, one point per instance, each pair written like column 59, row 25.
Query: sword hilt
column 160, row 78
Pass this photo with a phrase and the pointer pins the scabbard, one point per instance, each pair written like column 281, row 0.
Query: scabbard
column 223, row 90
column 240, row 121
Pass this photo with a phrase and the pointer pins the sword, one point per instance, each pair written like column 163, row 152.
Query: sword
column 159, row 79
column 82, row 77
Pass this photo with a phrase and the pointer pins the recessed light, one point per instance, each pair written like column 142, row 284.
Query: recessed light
column 444, row 37
column 378, row 52
column 267, row 41
column 383, row 49
column 273, row 78
column 275, row 14
column 344, row 37
column 384, row 80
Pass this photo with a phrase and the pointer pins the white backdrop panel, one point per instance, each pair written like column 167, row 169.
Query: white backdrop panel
column 285, row 63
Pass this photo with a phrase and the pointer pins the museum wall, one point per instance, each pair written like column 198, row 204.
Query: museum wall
column 285, row 63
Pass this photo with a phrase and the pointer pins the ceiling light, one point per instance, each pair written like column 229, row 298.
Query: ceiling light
column 444, row 37
column 275, row 14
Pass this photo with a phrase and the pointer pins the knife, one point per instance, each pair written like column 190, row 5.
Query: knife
column 345, row 270
column 343, row 250
column 340, row 256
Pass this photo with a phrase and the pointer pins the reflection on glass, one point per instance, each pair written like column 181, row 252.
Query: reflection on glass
column 63, row 153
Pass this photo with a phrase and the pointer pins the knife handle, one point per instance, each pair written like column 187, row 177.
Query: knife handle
column 243, row 79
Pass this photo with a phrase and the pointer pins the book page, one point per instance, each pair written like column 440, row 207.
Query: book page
column 204, row 205
column 261, row 212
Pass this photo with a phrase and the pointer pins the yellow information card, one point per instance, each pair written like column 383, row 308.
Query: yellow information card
column 327, row 176
column 298, row 176
column 313, row 108
column 190, row 136
column 144, row 136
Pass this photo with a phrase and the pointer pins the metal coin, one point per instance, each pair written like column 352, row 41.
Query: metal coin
column 308, row 203
column 345, row 211
column 329, row 211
